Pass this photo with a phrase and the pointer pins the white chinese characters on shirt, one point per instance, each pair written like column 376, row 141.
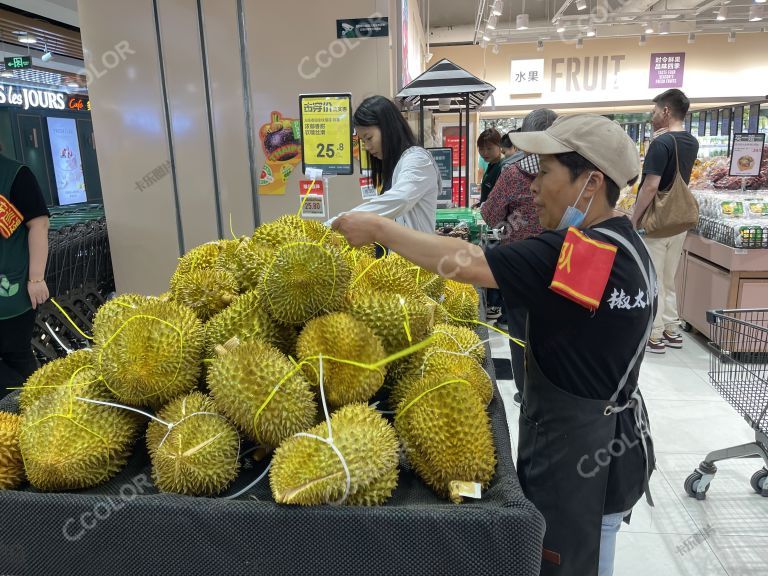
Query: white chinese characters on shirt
column 623, row 301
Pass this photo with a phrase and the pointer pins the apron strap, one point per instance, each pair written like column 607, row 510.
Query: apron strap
column 636, row 400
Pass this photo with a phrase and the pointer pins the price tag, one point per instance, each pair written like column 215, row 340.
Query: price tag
column 746, row 154
column 469, row 489
column 312, row 197
column 326, row 132
column 367, row 188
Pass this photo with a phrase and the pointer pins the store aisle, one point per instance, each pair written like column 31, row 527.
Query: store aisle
column 727, row 534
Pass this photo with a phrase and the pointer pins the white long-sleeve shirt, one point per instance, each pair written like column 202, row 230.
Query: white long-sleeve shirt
column 412, row 199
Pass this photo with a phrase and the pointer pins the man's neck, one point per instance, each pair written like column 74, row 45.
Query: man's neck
column 676, row 127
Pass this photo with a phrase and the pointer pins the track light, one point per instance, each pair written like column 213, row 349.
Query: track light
column 522, row 21
column 649, row 29
column 498, row 8
column 663, row 28
column 495, row 48
column 581, row 5
column 560, row 29
column 486, row 37
column 46, row 56
column 691, row 37
column 6, row 74
column 579, row 43
column 642, row 40
column 591, row 32
column 483, row 43
column 540, row 46
column 755, row 13
column 492, row 21
column 732, row 37
column 27, row 39
column 722, row 14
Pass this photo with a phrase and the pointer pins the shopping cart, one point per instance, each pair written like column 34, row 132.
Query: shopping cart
column 739, row 371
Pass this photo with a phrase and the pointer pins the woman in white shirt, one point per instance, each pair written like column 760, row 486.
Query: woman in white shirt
column 405, row 174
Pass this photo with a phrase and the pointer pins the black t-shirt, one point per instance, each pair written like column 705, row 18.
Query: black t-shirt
column 660, row 158
column 581, row 352
column 489, row 180
column 26, row 195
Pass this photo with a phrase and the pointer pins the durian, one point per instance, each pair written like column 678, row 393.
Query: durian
column 55, row 375
column 206, row 291
column 399, row 321
column 250, row 262
column 243, row 380
column 305, row 280
column 202, row 257
column 153, row 355
column 462, row 303
column 198, row 455
column 278, row 233
column 11, row 464
column 247, row 319
column 308, row 471
column 433, row 285
column 341, row 336
column 457, row 339
column 446, row 434
column 389, row 275
column 70, row 444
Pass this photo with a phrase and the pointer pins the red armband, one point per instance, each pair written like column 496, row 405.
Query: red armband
column 10, row 217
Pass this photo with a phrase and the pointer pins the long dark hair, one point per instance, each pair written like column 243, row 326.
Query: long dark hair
column 396, row 136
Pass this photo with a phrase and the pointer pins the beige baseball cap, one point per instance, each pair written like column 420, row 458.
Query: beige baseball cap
column 598, row 139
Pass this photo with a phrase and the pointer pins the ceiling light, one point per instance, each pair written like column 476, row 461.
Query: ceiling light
column 486, row 37
column 560, row 29
column 759, row 1
column 691, row 37
column 649, row 29
column 495, row 48
column 444, row 104
column 579, row 43
column 732, row 37
column 498, row 8
column 27, row 39
column 522, row 22
column 6, row 74
column 642, row 40
column 755, row 13
column 581, row 4
column 483, row 43
column 722, row 14
column 492, row 21
column 540, row 46
column 591, row 32
column 73, row 85
column 664, row 28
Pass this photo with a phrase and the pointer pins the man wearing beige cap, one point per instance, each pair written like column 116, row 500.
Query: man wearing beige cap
column 585, row 454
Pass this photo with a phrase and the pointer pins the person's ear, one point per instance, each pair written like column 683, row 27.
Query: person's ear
column 595, row 183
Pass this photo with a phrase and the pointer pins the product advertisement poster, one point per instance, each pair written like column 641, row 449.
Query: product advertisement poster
column 667, row 70
column 65, row 150
column 282, row 151
column 326, row 133
column 746, row 154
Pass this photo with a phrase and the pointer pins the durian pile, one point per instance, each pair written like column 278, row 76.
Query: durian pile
column 290, row 340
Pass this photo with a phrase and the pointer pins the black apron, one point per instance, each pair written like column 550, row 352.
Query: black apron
column 557, row 431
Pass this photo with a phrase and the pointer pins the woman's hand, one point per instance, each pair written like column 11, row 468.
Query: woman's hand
column 359, row 228
column 38, row 293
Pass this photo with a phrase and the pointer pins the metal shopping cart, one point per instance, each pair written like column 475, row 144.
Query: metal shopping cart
column 739, row 371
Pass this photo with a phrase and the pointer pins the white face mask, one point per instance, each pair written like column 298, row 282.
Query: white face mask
column 572, row 215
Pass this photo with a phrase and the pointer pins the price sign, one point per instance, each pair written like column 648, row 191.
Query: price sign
column 312, row 197
column 746, row 154
column 367, row 188
column 326, row 132
column 365, row 165
column 18, row 62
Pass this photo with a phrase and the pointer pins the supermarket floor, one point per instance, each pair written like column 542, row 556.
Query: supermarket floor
column 727, row 534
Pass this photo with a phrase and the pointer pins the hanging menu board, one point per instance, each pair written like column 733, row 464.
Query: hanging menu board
column 444, row 160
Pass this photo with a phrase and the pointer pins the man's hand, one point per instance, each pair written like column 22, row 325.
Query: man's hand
column 38, row 293
column 359, row 228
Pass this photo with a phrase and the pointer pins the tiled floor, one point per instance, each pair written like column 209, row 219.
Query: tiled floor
column 726, row 534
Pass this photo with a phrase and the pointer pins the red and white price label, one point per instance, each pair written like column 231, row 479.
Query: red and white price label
column 312, row 196
column 314, row 187
column 367, row 188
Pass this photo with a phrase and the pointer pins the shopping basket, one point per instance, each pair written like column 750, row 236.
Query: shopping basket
column 739, row 371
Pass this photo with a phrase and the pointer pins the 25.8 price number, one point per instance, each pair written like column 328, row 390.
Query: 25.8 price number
column 329, row 150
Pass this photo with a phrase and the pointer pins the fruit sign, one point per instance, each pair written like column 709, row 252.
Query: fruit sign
column 326, row 132
column 282, row 150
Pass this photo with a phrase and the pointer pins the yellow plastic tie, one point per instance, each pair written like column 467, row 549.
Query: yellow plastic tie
column 306, row 196
column 520, row 343
column 75, row 326
column 231, row 229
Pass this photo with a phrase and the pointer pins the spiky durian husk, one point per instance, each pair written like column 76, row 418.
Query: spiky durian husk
column 11, row 463
column 199, row 455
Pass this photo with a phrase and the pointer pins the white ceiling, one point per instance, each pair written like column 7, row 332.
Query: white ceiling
column 64, row 11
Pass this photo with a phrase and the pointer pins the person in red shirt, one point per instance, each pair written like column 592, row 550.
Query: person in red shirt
column 510, row 204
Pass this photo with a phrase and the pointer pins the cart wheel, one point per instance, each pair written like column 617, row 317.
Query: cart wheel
column 758, row 482
column 685, row 326
column 692, row 485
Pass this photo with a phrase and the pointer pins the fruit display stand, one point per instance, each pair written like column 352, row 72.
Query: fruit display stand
column 126, row 527
column 724, row 263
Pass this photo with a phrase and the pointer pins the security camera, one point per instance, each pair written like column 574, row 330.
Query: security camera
column 47, row 56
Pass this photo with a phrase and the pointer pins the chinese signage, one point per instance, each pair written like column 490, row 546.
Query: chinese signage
column 667, row 70
column 452, row 140
column 362, row 28
column 282, row 152
column 444, row 160
column 746, row 154
column 32, row 98
column 312, row 195
column 18, row 62
column 65, row 150
column 528, row 76
column 326, row 132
